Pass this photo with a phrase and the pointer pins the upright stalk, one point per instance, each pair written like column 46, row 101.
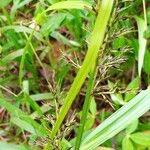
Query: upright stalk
column 86, row 106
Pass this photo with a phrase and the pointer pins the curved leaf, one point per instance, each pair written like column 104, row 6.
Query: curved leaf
column 70, row 5
column 141, row 138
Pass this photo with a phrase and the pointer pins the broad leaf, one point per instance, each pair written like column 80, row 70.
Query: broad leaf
column 127, row 144
column 141, row 138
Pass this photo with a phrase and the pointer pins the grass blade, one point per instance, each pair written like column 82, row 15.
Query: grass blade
column 65, row 5
column 70, row 5
column 10, row 146
column 22, row 29
column 40, row 131
column 142, row 43
column 33, row 104
column 85, row 110
column 118, row 113
column 23, row 125
column 42, row 96
column 118, row 121
column 22, row 62
column 96, row 40
column 7, row 59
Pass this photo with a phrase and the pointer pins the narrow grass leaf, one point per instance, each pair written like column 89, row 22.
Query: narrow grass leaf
column 23, row 125
column 118, row 121
column 11, row 56
column 65, row 5
column 85, row 110
column 40, row 130
column 22, row 62
column 42, row 96
column 70, row 5
column 23, row 29
column 10, row 146
column 142, row 42
column 18, row 4
column 33, row 104
column 95, row 43
column 64, row 40
column 44, row 108
column 117, row 114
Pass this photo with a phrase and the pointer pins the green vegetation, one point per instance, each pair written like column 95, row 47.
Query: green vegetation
column 74, row 75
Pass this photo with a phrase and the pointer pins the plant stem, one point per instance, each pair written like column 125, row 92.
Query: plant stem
column 85, row 109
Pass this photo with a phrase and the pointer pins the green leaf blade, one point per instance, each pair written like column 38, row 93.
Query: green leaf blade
column 118, row 121
column 70, row 5
column 127, row 144
column 10, row 146
column 89, row 61
column 142, row 26
column 141, row 138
